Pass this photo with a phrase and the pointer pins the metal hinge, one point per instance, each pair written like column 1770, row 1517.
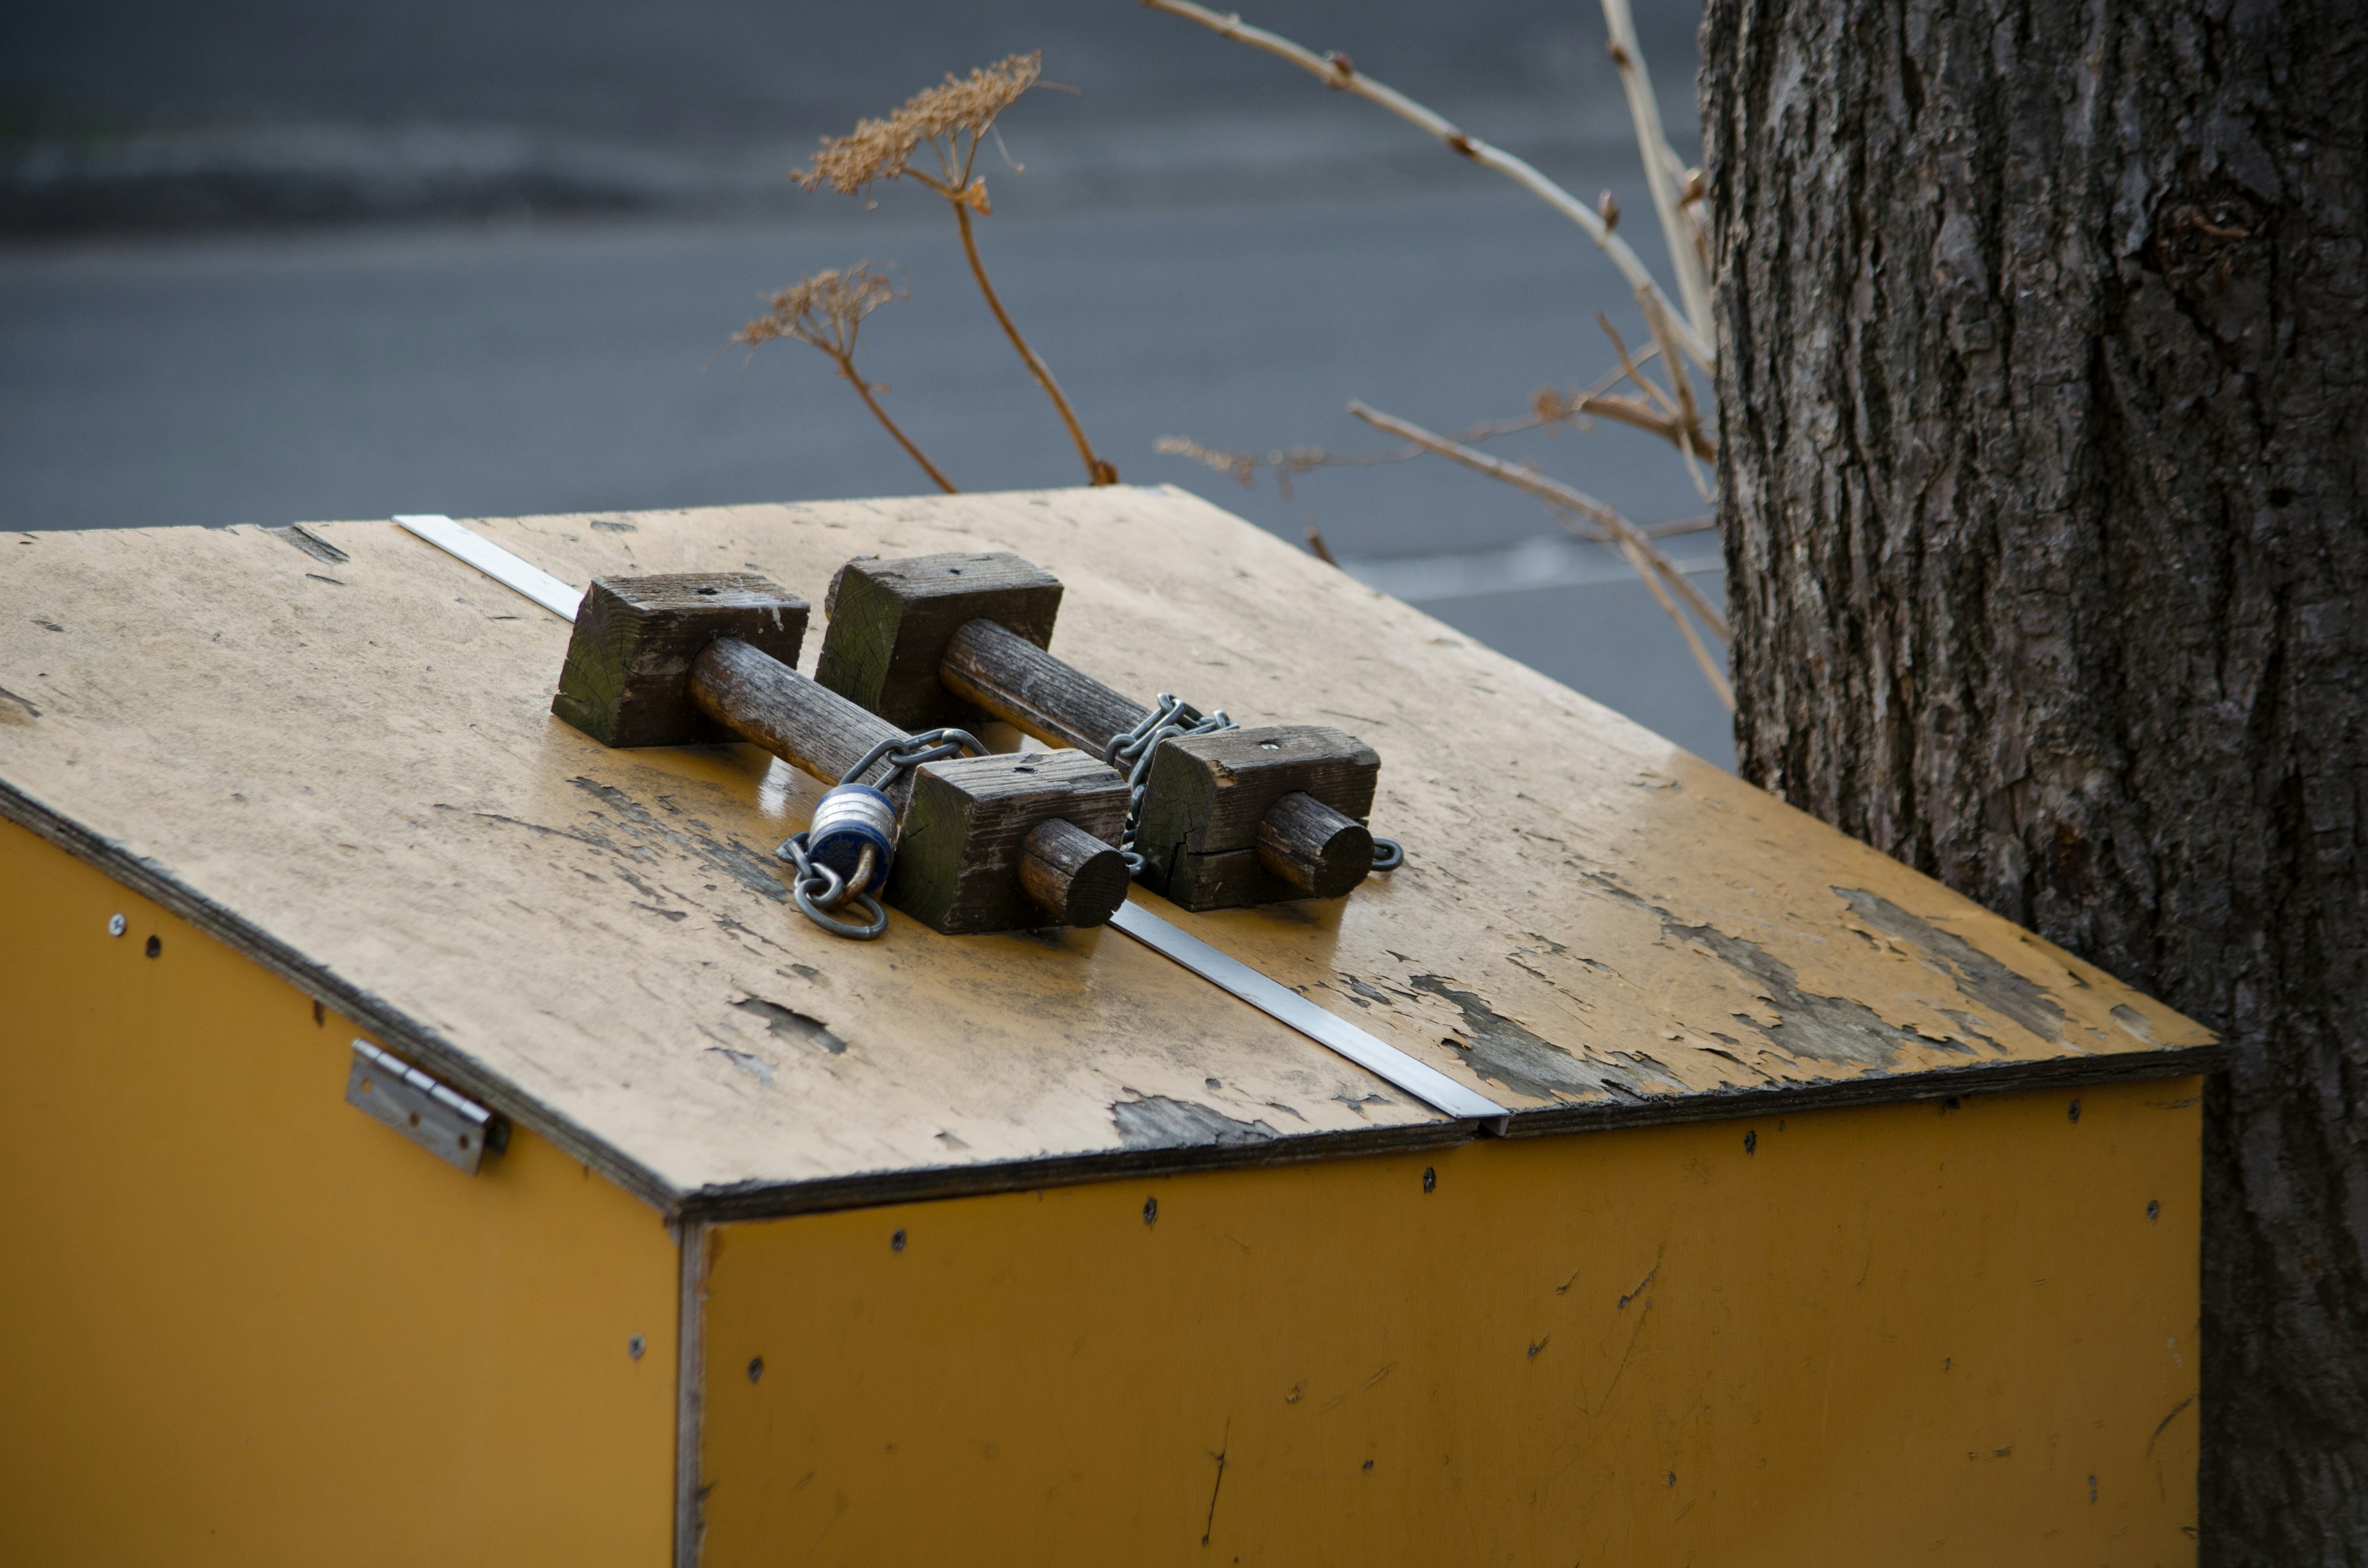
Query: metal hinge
column 451, row 1126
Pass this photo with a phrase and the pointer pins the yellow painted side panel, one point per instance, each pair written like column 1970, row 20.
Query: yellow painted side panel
column 1959, row 1336
column 244, row 1323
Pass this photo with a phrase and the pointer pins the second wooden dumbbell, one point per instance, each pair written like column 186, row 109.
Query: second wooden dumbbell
column 1228, row 819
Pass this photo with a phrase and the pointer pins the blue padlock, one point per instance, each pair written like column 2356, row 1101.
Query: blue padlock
column 849, row 819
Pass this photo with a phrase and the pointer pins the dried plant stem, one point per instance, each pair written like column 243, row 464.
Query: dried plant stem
column 951, row 122
column 1710, row 672
column 1653, row 143
column 1636, row 416
column 1679, row 422
column 1689, row 418
column 863, row 390
column 827, row 311
column 1098, row 471
column 1336, row 71
column 1628, row 366
column 1555, row 492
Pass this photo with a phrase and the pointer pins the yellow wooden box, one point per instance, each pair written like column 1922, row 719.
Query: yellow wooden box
column 1837, row 1221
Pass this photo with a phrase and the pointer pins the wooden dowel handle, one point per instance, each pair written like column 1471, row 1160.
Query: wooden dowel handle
column 1314, row 848
column 1035, row 693
column 763, row 700
column 1075, row 876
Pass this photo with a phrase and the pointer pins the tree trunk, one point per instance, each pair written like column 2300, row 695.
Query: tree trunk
column 2043, row 415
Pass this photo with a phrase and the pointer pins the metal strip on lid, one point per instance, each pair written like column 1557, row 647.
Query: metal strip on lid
column 509, row 569
column 1335, row 1033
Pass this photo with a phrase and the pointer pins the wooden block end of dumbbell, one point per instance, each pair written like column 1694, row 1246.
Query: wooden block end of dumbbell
column 1258, row 816
column 635, row 641
column 982, row 848
column 891, row 620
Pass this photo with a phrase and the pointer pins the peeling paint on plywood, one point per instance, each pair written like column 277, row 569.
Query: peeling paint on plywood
column 1156, row 1121
column 1979, row 977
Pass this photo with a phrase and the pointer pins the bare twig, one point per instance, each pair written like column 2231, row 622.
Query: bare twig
column 1337, row 71
column 827, row 311
column 1555, row 493
column 1710, row 672
column 1653, row 143
column 951, row 120
column 1317, row 547
column 1627, row 411
column 1656, row 316
column 1242, row 467
column 1549, row 408
column 1628, row 366
column 1098, row 471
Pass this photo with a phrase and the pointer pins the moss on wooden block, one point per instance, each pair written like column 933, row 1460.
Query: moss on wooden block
column 890, row 622
column 635, row 638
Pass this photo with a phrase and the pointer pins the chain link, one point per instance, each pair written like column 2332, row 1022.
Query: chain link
column 906, row 753
column 820, row 890
column 1131, row 754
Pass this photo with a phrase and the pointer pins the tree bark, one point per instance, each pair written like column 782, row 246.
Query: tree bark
column 2043, row 417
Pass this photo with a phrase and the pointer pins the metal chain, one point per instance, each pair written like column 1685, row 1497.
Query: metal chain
column 907, row 752
column 819, row 890
column 1130, row 752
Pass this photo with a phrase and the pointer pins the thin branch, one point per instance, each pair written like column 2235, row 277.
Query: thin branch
column 863, row 390
column 1681, row 526
column 1710, row 672
column 1242, row 467
column 1337, row 72
column 826, row 312
column 1628, row 411
column 1098, row 471
column 1628, row 367
column 1556, row 493
column 1652, row 143
column 951, row 120
column 1657, row 317
column 1550, row 409
column 1648, row 563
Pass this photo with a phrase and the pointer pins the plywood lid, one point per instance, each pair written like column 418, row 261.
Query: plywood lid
column 347, row 766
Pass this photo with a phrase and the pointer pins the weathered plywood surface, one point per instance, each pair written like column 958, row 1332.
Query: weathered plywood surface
column 349, row 767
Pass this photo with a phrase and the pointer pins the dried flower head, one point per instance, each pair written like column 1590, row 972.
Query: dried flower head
column 936, row 117
column 825, row 310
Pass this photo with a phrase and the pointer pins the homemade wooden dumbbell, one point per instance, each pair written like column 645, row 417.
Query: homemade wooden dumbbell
column 1236, row 817
column 986, row 843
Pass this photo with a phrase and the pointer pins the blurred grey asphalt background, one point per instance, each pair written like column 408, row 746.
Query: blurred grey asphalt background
column 263, row 261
